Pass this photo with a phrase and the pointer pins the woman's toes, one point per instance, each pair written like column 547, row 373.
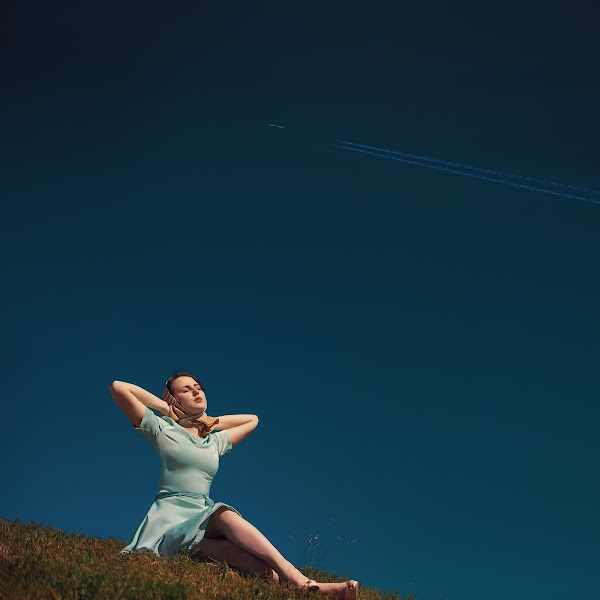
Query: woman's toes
column 351, row 592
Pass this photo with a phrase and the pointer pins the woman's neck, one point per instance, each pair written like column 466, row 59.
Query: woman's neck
column 191, row 428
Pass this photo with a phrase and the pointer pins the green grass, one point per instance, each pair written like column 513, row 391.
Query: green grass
column 38, row 561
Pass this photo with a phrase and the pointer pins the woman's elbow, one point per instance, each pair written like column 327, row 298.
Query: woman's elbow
column 114, row 385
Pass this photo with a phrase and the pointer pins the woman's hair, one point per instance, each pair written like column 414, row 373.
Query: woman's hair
column 180, row 374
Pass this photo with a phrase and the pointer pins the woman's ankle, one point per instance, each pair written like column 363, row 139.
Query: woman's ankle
column 295, row 576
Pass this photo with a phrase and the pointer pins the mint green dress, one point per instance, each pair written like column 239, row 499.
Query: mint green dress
column 179, row 515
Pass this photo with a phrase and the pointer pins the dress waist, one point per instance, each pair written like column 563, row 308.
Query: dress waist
column 162, row 495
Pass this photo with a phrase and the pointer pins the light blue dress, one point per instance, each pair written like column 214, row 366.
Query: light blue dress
column 178, row 518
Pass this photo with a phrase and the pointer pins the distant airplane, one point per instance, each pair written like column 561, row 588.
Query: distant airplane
column 275, row 125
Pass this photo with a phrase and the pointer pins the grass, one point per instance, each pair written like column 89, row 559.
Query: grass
column 41, row 562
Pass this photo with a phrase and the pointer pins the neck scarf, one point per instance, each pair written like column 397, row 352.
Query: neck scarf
column 201, row 421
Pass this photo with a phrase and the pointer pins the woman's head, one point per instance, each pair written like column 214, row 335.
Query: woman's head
column 187, row 389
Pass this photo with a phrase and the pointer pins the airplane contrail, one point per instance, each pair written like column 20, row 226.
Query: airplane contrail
column 473, row 168
column 382, row 153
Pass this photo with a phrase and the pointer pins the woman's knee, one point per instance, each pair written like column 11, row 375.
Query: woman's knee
column 226, row 519
column 213, row 527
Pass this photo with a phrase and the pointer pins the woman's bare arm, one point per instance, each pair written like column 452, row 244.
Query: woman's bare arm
column 229, row 421
column 237, row 433
column 132, row 399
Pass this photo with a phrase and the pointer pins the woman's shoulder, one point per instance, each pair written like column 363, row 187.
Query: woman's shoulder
column 160, row 420
column 151, row 425
column 222, row 440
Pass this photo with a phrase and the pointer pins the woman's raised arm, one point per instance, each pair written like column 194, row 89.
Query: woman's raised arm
column 132, row 400
column 238, row 426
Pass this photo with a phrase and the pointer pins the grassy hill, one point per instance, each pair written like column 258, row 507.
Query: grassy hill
column 38, row 561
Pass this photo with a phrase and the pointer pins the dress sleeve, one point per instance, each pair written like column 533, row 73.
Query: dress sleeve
column 223, row 441
column 151, row 426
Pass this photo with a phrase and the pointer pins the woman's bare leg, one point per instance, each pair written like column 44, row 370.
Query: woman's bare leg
column 243, row 534
column 227, row 552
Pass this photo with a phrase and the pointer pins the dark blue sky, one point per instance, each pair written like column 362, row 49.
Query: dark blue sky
column 421, row 348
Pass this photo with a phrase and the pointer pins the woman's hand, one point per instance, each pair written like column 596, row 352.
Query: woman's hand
column 164, row 411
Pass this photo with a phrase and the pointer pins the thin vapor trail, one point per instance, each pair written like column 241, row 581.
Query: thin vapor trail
column 474, row 175
column 473, row 168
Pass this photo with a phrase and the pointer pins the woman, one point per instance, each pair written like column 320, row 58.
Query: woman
column 183, row 517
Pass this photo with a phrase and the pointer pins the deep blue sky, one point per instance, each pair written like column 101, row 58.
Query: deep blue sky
column 421, row 348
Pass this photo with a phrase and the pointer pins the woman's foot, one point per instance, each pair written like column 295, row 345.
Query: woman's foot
column 311, row 585
column 351, row 592
column 347, row 590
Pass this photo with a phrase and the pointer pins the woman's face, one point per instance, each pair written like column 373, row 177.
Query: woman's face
column 189, row 392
